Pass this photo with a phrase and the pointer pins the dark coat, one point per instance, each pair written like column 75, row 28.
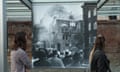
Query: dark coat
column 41, row 63
column 99, row 63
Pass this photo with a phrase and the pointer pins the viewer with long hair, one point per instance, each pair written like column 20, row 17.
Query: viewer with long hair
column 19, row 58
column 97, row 59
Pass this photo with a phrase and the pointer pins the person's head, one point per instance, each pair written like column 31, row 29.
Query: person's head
column 42, row 54
column 66, row 53
column 100, row 42
column 20, row 40
column 55, row 53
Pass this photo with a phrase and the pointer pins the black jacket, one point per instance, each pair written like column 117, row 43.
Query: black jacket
column 100, row 63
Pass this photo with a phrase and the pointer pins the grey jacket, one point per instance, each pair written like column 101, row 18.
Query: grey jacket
column 19, row 61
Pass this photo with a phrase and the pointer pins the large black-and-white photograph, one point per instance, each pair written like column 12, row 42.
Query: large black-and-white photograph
column 63, row 34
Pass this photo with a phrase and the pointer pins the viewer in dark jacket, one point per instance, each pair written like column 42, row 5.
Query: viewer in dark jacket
column 98, row 60
column 67, row 59
column 43, row 61
column 55, row 61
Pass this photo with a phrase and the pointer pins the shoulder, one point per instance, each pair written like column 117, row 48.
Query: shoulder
column 20, row 52
column 58, row 60
column 49, row 59
column 12, row 52
column 99, row 52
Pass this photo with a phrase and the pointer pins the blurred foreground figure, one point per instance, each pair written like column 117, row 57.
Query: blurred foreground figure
column 98, row 60
column 19, row 58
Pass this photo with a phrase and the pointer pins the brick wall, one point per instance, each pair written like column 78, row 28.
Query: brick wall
column 111, row 31
column 14, row 27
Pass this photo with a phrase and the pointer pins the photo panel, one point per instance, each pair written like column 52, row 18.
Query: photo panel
column 63, row 34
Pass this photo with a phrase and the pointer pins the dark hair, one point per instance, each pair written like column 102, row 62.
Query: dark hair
column 55, row 52
column 66, row 53
column 20, row 40
column 41, row 53
column 100, row 42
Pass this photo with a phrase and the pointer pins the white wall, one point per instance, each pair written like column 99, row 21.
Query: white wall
column 1, row 36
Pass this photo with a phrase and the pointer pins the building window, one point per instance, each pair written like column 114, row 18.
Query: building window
column 112, row 17
column 89, row 26
column 65, row 37
column 95, row 26
column 95, row 12
column 89, row 40
column 89, row 13
column 94, row 38
column 72, row 24
column 79, row 26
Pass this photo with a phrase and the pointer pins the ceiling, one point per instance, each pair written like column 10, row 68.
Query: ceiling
column 112, row 7
column 17, row 11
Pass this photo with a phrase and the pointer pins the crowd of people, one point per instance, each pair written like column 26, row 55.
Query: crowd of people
column 56, row 59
